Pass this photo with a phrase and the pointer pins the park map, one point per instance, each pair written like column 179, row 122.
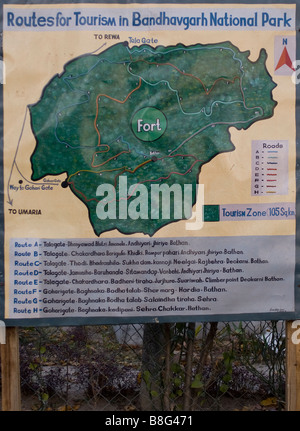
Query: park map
column 144, row 116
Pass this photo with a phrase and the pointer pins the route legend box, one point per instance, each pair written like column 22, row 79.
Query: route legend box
column 269, row 168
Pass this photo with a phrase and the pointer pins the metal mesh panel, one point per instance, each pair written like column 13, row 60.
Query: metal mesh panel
column 163, row 367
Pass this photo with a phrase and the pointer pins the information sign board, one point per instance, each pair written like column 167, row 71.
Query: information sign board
column 149, row 162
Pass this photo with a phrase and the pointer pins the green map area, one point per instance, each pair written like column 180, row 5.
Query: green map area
column 131, row 127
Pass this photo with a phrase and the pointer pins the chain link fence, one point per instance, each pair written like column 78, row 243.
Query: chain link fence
column 163, row 367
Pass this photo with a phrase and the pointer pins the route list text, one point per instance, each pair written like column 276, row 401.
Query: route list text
column 137, row 278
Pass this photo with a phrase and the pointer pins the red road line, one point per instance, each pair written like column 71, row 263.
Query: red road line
column 116, row 100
